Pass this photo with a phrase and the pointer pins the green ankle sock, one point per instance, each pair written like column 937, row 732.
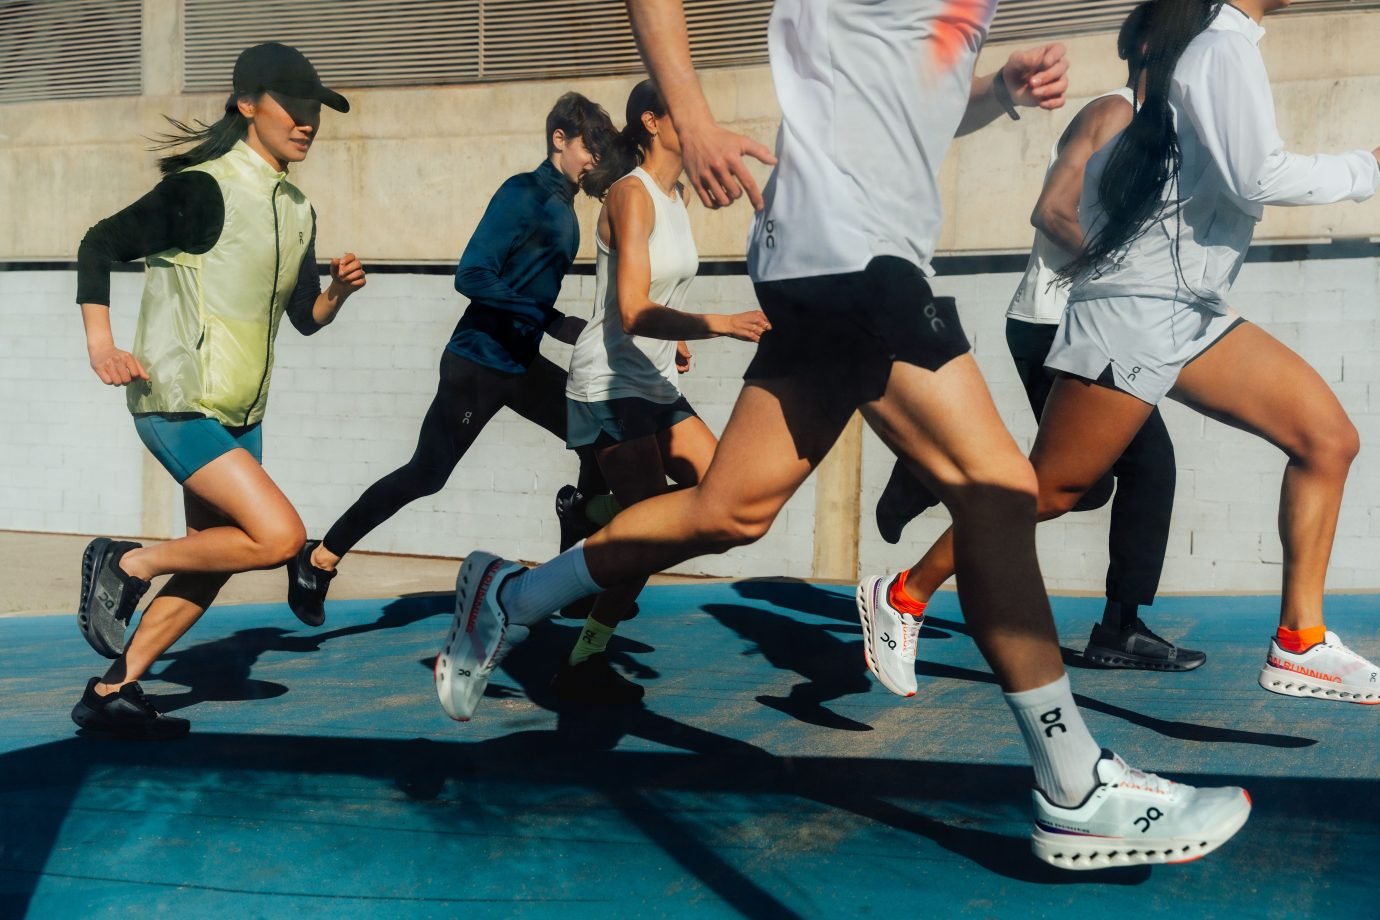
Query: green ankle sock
column 594, row 638
column 600, row 509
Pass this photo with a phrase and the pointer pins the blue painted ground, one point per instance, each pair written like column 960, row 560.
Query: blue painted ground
column 767, row 775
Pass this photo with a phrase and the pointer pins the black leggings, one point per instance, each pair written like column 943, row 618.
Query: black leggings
column 467, row 397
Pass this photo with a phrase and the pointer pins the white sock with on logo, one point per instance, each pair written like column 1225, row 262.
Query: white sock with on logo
column 1062, row 751
column 541, row 592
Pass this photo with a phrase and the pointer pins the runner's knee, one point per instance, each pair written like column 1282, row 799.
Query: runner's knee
column 1328, row 447
column 279, row 542
column 722, row 527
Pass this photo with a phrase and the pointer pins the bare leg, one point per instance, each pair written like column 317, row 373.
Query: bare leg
column 779, row 431
column 1084, row 429
column 257, row 526
column 945, row 424
column 174, row 611
column 1252, row 382
column 636, row 471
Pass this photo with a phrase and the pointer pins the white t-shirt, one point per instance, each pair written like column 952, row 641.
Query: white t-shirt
column 1038, row 299
column 607, row 362
column 871, row 94
column 1234, row 163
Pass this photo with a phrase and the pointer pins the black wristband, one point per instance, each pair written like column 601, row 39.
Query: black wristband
column 1003, row 95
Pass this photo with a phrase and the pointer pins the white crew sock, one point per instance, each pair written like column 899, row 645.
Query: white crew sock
column 1062, row 751
column 539, row 593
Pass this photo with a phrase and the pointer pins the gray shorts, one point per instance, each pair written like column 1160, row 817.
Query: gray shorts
column 1139, row 343
column 626, row 418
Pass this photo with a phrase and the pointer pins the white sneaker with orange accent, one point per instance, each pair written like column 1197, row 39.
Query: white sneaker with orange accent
column 1133, row 818
column 889, row 636
column 1327, row 671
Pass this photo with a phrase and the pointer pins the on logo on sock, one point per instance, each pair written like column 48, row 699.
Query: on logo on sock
column 1052, row 720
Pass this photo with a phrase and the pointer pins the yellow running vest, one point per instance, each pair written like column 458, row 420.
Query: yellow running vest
column 207, row 322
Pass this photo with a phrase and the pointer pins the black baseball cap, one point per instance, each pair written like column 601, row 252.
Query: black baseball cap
column 278, row 68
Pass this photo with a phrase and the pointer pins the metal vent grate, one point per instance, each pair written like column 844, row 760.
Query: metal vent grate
column 69, row 49
column 419, row 42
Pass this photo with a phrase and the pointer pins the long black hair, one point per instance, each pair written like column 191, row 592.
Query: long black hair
column 1146, row 158
column 211, row 141
column 631, row 145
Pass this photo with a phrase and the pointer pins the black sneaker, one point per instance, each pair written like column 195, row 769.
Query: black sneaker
column 570, row 515
column 1138, row 648
column 903, row 500
column 108, row 596
column 307, row 586
column 127, row 713
column 595, row 682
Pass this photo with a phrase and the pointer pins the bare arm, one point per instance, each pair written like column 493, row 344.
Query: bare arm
column 1035, row 77
column 631, row 218
column 713, row 155
column 1056, row 213
column 112, row 365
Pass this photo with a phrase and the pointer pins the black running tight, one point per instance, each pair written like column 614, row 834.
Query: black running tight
column 467, row 397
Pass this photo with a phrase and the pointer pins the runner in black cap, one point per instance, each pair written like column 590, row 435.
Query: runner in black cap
column 230, row 244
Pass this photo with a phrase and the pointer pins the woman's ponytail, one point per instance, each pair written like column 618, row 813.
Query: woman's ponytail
column 1146, row 158
column 212, row 141
column 629, row 147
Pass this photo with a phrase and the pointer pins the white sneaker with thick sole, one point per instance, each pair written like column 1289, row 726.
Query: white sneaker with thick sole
column 1327, row 671
column 479, row 634
column 889, row 636
column 1133, row 818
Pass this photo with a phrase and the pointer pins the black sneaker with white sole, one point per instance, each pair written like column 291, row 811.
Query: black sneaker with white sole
column 1138, row 648
column 595, row 683
column 307, row 586
column 570, row 516
column 108, row 596
column 126, row 713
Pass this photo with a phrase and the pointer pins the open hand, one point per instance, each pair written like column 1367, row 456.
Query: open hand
column 714, row 164
column 117, row 368
column 748, row 326
column 1037, row 76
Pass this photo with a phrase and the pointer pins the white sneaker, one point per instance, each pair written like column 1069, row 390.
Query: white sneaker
column 889, row 636
column 479, row 634
column 1133, row 818
column 1327, row 671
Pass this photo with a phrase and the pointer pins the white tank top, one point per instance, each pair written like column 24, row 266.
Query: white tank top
column 1038, row 299
column 607, row 362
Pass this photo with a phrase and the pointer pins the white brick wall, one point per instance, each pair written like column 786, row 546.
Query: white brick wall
column 344, row 410
column 1223, row 536
column 346, row 404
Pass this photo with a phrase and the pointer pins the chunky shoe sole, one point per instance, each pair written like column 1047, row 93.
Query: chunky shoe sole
column 456, row 687
column 865, row 618
column 91, row 561
column 1079, row 853
column 1111, row 658
column 1287, row 683
column 156, row 730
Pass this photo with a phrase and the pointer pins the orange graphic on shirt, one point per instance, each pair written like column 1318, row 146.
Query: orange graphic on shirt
column 955, row 27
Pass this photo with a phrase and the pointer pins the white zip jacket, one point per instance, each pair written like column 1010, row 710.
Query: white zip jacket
column 1234, row 163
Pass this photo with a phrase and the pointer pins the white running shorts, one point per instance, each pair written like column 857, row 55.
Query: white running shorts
column 1144, row 342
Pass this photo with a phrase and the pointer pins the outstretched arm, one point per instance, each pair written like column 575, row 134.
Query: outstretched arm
column 1035, row 77
column 1226, row 94
column 713, row 155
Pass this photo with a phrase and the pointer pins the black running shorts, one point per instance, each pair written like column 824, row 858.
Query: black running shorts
column 852, row 327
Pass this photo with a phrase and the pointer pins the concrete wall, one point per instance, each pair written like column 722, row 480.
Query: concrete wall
column 346, row 404
column 406, row 175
